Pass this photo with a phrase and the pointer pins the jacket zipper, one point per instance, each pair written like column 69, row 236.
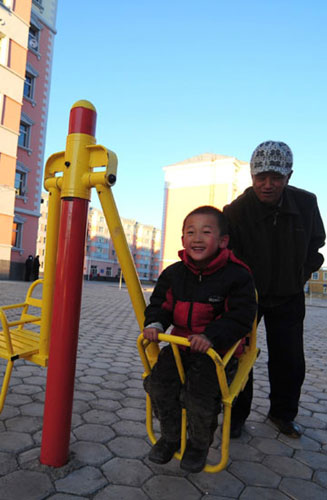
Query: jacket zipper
column 189, row 317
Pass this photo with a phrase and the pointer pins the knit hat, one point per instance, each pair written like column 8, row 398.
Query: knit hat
column 272, row 156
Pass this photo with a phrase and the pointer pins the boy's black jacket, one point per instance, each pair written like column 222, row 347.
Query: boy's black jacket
column 218, row 302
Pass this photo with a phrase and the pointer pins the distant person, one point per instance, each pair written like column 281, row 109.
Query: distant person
column 209, row 298
column 277, row 230
column 36, row 268
column 28, row 268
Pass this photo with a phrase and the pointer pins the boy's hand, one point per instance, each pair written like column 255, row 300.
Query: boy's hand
column 199, row 343
column 151, row 334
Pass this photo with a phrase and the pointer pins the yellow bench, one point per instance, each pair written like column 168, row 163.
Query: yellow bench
column 229, row 393
column 16, row 339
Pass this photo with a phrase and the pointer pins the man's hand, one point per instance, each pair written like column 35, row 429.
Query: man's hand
column 199, row 343
column 151, row 334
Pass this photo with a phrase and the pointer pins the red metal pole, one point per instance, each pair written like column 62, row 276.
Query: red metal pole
column 67, row 298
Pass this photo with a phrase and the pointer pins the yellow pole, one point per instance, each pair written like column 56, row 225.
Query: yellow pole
column 125, row 259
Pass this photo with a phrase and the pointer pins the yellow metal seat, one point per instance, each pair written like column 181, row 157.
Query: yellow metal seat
column 229, row 393
column 17, row 340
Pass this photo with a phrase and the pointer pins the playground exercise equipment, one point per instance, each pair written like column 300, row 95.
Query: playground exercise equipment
column 69, row 177
column 17, row 339
column 228, row 393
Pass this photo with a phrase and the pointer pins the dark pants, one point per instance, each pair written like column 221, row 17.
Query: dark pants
column 200, row 395
column 286, row 365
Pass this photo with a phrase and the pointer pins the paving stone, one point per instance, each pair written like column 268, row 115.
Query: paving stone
column 253, row 493
column 301, row 489
column 17, row 399
column 15, row 441
column 26, row 389
column 29, row 455
column 158, row 488
column 105, row 404
column 304, row 443
column 90, row 453
column 114, row 492
column 288, row 467
column 320, row 477
column 312, row 459
column 63, row 496
column 96, row 416
column 24, row 424
column 129, row 428
column 239, row 451
column 25, row 485
column 317, row 434
column 84, row 481
column 312, row 422
column 215, row 484
column 127, row 447
column 90, row 379
column 114, row 384
column 109, row 394
column 134, row 393
column 84, row 395
column 133, row 402
column 36, row 380
column 8, row 463
column 261, row 430
column 271, row 447
column 96, row 371
column 321, row 416
column 115, row 471
column 132, row 414
column 94, row 432
column 33, row 409
column 254, row 474
column 80, row 406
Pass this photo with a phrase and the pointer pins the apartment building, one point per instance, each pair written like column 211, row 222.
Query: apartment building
column 317, row 284
column 32, row 133
column 14, row 32
column 207, row 179
column 101, row 261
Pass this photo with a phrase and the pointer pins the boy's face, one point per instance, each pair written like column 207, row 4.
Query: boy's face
column 202, row 240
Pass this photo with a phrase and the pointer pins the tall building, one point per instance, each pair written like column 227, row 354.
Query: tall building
column 14, row 31
column 207, row 179
column 32, row 133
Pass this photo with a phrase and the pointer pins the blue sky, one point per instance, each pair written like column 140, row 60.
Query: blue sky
column 172, row 79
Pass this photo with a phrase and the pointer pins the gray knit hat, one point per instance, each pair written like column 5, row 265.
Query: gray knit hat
column 272, row 156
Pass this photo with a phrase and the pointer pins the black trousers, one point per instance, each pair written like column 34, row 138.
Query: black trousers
column 286, row 364
column 200, row 395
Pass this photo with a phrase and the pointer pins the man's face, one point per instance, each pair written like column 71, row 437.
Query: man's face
column 269, row 186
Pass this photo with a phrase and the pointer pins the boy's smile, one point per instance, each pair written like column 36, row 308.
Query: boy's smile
column 201, row 239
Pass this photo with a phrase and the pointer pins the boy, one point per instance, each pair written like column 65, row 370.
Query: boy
column 209, row 298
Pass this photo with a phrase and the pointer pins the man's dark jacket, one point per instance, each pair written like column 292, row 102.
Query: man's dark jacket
column 219, row 301
column 280, row 244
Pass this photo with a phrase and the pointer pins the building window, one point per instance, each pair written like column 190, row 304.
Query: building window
column 17, row 232
column 315, row 276
column 108, row 271
column 324, row 276
column 24, row 135
column 94, row 270
column 34, row 38
column 29, row 86
column 20, row 183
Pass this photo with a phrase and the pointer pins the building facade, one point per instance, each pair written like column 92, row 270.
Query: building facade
column 317, row 284
column 14, row 32
column 207, row 179
column 32, row 133
column 101, row 261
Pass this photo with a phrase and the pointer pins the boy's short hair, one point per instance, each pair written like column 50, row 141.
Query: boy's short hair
column 210, row 210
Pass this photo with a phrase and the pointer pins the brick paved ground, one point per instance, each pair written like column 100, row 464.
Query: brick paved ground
column 109, row 447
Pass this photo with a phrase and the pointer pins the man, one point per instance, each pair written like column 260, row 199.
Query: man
column 277, row 230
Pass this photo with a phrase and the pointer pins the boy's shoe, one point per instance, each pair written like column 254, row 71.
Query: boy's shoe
column 194, row 459
column 163, row 451
column 287, row 427
column 236, row 429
